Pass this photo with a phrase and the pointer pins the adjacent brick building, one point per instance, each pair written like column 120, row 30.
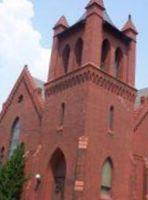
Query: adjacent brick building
column 85, row 129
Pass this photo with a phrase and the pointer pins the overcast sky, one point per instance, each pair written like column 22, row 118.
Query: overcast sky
column 26, row 34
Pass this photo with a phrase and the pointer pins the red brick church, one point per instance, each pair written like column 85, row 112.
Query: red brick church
column 85, row 129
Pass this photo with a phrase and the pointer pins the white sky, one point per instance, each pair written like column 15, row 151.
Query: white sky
column 19, row 44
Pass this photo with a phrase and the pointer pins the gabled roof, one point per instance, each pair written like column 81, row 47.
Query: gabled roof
column 32, row 85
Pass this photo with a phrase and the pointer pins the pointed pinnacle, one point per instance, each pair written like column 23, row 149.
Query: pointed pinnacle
column 62, row 22
column 129, row 25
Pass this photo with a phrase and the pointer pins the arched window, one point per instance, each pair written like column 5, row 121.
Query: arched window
column 65, row 57
column 111, row 118
column 79, row 51
column 15, row 134
column 118, row 63
column 62, row 115
column 106, row 181
column 105, row 56
column 58, row 167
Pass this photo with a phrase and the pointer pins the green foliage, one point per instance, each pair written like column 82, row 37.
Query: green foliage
column 12, row 175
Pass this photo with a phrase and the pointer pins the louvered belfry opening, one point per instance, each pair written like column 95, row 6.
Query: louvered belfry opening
column 105, row 57
column 65, row 58
column 118, row 63
column 79, row 51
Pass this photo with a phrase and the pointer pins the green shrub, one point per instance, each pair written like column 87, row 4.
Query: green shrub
column 12, row 175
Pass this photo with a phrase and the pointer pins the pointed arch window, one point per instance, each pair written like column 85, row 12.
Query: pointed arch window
column 118, row 63
column 111, row 118
column 106, row 179
column 58, row 167
column 79, row 51
column 15, row 134
column 105, row 56
column 65, row 57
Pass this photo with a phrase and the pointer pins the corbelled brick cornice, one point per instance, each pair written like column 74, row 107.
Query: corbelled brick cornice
column 91, row 73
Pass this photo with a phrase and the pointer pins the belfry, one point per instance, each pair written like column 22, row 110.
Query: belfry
column 85, row 129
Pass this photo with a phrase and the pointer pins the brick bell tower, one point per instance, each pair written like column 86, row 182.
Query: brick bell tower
column 87, row 123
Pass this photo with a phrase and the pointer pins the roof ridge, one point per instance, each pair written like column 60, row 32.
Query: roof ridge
column 25, row 75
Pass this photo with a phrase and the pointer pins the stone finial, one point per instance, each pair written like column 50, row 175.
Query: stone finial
column 129, row 26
